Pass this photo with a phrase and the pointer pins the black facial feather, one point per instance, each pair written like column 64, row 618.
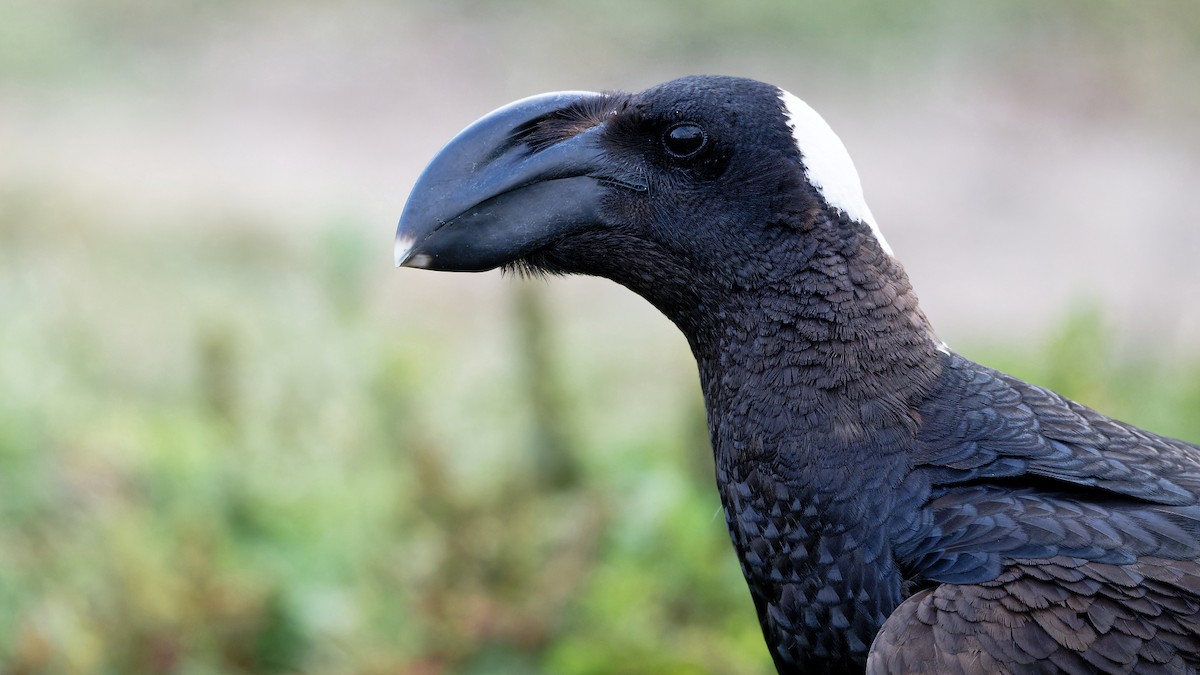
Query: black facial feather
column 896, row 507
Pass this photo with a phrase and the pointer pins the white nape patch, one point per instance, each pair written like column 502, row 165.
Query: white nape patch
column 944, row 348
column 827, row 165
column 404, row 246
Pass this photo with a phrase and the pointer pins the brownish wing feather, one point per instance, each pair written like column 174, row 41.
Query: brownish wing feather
column 1061, row 615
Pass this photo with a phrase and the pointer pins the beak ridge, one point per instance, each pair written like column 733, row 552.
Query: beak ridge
column 488, row 198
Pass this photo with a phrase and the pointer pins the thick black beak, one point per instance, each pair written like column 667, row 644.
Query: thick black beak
column 489, row 198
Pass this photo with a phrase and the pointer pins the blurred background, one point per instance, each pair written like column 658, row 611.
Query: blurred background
column 234, row 440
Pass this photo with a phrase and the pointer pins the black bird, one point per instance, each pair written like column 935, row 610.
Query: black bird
column 896, row 507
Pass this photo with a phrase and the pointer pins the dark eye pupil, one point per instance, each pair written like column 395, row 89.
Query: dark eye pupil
column 684, row 140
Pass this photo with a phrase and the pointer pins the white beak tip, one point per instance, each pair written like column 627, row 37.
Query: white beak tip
column 403, row 250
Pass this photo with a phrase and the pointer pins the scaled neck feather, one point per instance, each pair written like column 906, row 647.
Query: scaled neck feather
column 841, row 340
column 813, row 388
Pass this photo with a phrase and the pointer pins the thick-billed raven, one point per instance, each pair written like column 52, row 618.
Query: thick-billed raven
column 896, row 507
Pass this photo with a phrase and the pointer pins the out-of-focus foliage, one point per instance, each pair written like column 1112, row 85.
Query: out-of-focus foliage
column 231, row 442
column 216, row 456
column 65, row 37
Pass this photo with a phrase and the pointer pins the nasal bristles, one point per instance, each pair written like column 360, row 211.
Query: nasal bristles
column 571, row 120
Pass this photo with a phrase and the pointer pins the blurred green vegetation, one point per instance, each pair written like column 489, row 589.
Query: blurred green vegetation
column 77, row 39
column 220, row 454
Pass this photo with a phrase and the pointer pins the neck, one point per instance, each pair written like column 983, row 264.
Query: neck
column 813, row 357
column 812, row 385
column 840, row 344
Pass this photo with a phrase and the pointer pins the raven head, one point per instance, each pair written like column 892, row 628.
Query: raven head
column 700, row 183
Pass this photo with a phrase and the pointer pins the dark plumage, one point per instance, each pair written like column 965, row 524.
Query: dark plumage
column 895, row 506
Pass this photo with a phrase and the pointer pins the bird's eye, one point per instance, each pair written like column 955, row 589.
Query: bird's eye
column 685, row 139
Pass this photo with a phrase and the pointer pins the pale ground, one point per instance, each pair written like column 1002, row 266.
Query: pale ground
column 1011, row 192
